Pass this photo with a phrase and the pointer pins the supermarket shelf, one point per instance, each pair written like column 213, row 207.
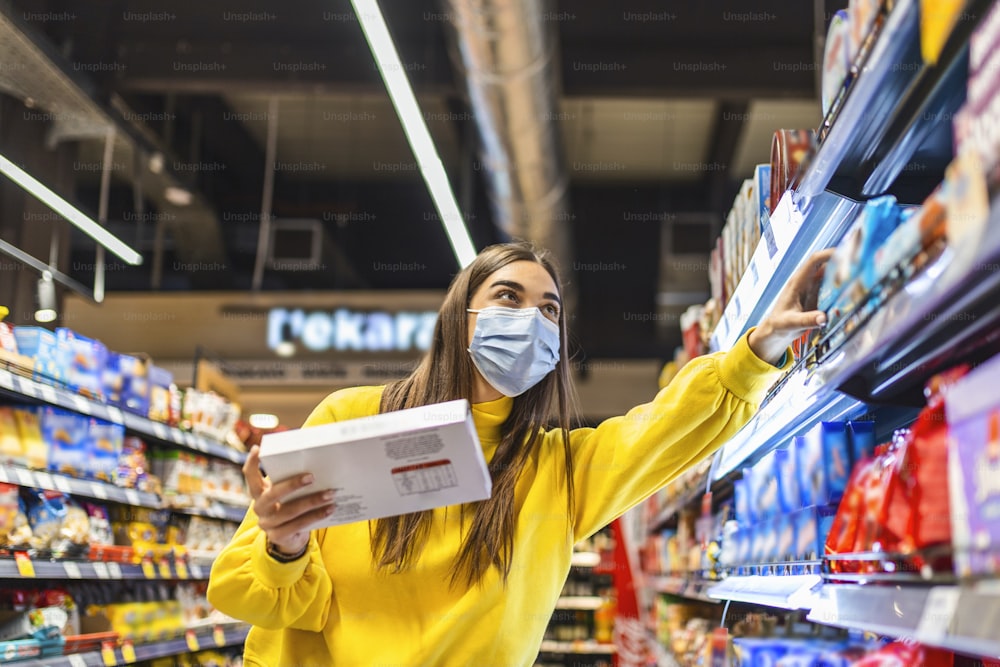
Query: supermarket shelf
column 694, row 588
column 26, row 388
column 889, row 69
column 216, row 511
column 801, row 402
column 70, row 569
column 579, row 602
column 944, row 316
column 175, row 436
column 919, row 132
column 220, row 637
column 957, row 618
column 672, row 508
column 104, row 491
column 798, row 227
column 791, row 592
column 585, row 559
column 579, row 648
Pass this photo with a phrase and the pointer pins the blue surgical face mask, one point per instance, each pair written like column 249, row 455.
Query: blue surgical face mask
column 514, row 348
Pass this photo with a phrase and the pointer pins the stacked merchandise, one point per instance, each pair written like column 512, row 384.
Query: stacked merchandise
column 745, row 226
column 56, row 525
column 64, row 358
column 202, row 659
column 687, row 484
column 38, row 620
column 928, row 500
column 785, row 503
column 689, row 630
column 192, row 480
column 977, row 131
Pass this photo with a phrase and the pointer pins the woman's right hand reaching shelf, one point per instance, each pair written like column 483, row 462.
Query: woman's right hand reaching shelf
column 285, row 524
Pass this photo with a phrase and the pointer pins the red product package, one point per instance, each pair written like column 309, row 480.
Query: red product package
column 846, row 525
column 872, row 534
column 920, row 481
column 904, row 653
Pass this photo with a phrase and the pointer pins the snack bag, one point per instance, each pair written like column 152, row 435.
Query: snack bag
column 920, row 479
column 99, row 523
column 86, row 359
column 29, row 426
column 10, row 439
column 74, row 529
column 9, row 509
column 46, row 510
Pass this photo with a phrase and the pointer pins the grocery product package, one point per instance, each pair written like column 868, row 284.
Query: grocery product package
column 789, row 151
column 85, row 360
column 842, row 288
column 48, row 354
column 10, row 438
column 823, row 463
column 66, row 433
column 33, row 446
column 104, row 447
column 836, row 58
column 973, row 412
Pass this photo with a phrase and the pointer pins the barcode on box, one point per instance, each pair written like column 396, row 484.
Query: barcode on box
column 424, row 477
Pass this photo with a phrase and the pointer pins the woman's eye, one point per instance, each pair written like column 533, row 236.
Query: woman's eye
column 552, row 310
column 507, row 296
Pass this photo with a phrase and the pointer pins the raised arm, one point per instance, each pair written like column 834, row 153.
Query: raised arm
column 626, row 459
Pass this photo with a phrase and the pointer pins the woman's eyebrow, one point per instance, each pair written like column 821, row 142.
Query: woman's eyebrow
column 520, row 288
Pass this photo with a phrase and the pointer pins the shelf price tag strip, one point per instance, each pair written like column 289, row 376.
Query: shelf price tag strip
column 938, row 614
column 128, row 651
column 76, row 660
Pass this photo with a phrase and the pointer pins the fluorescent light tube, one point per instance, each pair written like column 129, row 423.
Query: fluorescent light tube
column 380, row 42
column 68, row 211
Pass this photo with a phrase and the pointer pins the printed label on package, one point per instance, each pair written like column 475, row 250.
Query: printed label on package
column 767, row 234
column 424, row 477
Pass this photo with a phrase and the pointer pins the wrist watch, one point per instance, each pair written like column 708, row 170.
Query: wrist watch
column 280, row 556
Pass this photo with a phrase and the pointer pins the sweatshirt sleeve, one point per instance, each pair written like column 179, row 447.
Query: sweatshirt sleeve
column 249, row 585
column 626, row 459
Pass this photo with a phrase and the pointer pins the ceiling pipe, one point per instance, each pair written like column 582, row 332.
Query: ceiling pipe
column 505, row 51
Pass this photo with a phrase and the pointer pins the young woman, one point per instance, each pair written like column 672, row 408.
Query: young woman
column 476, row 584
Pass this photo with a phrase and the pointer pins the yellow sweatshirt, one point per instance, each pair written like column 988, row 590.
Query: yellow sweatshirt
column 332, row 608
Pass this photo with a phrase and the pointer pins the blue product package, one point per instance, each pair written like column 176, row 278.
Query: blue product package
column 824, row 463
column 765, row 487
column 65, row 434
column 112, row 380
column 85, row 359
column 811, row 470
column 786, row 538
column 789, row 496
column 135, row 384
column 48, row 353
column 744, row 546
column 873, row 226
column 768, row 532
column 806, row 534
column 759, row 652
column 862, row 435
column 742, row 501
column 752, row 514
column 757, row 546
column 104, row 447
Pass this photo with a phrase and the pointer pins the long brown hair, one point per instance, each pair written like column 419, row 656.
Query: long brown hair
column 446, row 373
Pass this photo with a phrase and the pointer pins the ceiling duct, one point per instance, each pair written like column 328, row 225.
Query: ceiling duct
column 505, row 53
column 35, row 73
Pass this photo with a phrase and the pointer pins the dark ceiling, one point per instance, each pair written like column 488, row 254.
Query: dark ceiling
column 682, row 96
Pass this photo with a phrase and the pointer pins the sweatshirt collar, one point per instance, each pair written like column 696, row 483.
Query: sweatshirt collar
column 489, row 417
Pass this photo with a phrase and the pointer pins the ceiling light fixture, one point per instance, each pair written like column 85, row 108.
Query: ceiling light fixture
column 178, row 196
column 285, row 349
column 394, row 75
column 46, row 299
column 70, row 212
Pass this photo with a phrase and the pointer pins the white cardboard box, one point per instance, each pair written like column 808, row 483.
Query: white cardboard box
column 385, row 465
